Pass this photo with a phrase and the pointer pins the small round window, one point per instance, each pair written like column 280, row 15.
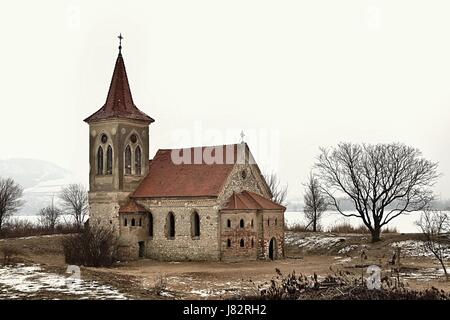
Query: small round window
column 133, row 138
column 104, row 138
column 243, row 174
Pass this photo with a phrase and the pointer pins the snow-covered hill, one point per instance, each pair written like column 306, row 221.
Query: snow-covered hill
column 41, row 180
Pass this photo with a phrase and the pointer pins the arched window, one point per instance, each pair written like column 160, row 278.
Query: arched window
column 251, row 223
column 276, row 221
column 195, row 225
column 228, row 243
column 128, row 160
column 253, row 243
column 150, row 225
column 241, row 243
column 109, row 160
column 241, row 223
column 268, row 222
column 133, row 222
column 100, row 160
column 140, row 222
column 170, row 225
column 228, row 223
column 137, row 160
column 125, row 222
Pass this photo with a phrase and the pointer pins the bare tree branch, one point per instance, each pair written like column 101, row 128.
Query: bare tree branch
column 10, row 199
column 75, row 202
column 434, row 225
column 279, row 192
column 383, row 181
column 315, row 202
column 49, row 216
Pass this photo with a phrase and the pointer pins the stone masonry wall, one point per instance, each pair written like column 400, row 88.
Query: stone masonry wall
column 233, row 233
column 272, row 227
column 183, row 246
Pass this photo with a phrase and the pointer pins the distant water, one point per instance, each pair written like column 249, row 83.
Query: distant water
column 404, row 223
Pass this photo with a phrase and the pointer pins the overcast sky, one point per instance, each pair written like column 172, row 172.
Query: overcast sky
column 294, row 75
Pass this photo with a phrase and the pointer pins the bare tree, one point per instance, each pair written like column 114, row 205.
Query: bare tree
column 383, row 181
column 279, row 192
column 315, row 202
column 10, row 199
column 435, row 226
column 75, row 202
column 49, row 216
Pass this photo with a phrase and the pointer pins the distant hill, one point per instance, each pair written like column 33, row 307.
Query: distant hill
column 39, row 179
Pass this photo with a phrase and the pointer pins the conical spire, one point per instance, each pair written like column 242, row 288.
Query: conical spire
column 119, row 103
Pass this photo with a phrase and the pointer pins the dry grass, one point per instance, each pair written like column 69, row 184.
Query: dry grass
column 361, row 229
column 341, row 286
column 301, row 227
column 8, row 252
column 15, row 228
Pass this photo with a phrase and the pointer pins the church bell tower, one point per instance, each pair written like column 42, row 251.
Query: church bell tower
column 118, row 143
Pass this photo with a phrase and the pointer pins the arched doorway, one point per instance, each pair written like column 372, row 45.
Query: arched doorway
column 273, row 249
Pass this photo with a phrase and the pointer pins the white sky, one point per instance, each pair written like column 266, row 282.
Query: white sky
column 301, row 74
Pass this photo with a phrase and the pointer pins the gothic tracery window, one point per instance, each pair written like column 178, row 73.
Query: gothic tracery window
column 109, row 160
column 128, row 160
column 100, row 160
column 137, row 159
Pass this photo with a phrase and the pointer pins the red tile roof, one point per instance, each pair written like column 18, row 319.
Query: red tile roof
column 131, row 207
column 119, row 103
column 167, row 178
column 247, row 200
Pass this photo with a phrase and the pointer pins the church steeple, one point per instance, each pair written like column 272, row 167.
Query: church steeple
column 118, row 138
column 119, row 102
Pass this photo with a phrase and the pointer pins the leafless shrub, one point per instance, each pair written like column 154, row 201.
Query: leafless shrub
column 340, row 286
column 160, row 284
column 16, row 228
column 93, row 247
column 360, row 229
column 301, row 227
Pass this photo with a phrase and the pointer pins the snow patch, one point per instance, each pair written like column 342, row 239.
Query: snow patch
column 26, row 281
column 415, row 248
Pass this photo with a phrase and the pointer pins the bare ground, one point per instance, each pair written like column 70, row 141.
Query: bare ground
column 306, row 253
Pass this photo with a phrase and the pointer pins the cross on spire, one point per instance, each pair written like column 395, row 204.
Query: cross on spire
column 242, row 136
column 120, row 42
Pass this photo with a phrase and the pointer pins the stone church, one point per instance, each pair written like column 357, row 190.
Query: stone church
column 195, row 203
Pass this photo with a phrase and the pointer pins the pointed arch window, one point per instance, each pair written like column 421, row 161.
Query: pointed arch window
column 128, row 160
column 150, row 224
column 137, row 160
column 170, row 225
column 109, row 160
column 100, row 160
column 195, row 225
